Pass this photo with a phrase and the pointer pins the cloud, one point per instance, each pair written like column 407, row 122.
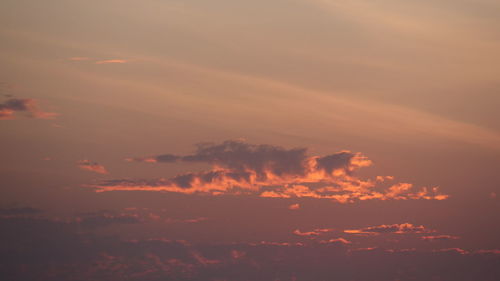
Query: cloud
column 111, row 61
column 50, row 249
column 294, row 206
column 239, row 168
column 39, row 249
column 312, row 234
column 433, row 238
column 94, row 220
column 335, row 241
column 92, row 166
column 19, row 211
column 107, row 61
column 403, row 228
column 28, row 107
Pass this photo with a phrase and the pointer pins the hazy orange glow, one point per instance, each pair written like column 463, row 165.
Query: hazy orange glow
column 222, row 140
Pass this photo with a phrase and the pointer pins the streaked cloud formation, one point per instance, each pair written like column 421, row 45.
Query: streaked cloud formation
column 97, row 61
column 27, row 107
column 272, row 171
column 92, row 166
column 48, row 249
column 403, row 228
column 110, row 61
column 432, row 238
column 313, row 233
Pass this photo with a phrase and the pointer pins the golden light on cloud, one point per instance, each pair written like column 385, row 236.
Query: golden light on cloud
column 92, row 167
column 274, row 172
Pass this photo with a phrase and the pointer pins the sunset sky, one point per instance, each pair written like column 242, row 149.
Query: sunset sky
column 350, row 140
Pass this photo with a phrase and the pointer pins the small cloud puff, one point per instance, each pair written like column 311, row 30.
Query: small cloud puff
column 28, row 107
column 92, row 166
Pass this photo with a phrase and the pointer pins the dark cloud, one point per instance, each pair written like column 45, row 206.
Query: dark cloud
column 94, row 220
column 19, row 211
column 336, row 161
column 27, row 106
column 239, row 157
column 43, row 249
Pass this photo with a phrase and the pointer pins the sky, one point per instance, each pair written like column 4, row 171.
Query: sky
column 250, row 140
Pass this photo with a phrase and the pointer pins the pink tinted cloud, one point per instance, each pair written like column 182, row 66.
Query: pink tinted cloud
column 313, row 233
column 27, row 107
column 92, row 167
column 403, row 228
column 294, row 206
column 111, row 61
column 433, row 238
column 336, row 241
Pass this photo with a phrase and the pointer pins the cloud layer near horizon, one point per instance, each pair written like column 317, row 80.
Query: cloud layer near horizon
column 239, row 168
column 37, row 248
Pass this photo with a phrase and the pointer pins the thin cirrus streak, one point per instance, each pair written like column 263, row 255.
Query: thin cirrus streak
column 432, row 238
column 110, row 61
column 271, row 171
column 313, row 233
column 335, row 241
column 403, row 228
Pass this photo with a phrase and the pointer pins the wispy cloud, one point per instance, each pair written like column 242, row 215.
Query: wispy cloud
column 28, row 107
column 335, row 241
column 432, row 238
column 403, row 228
column 92, row 166
column 312, row 234
column 97, row 61
column 111, row 61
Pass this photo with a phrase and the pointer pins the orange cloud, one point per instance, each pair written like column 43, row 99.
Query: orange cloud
column 271, row 171
column 294, row 206
column 439, row 238
column 311, row 234
column 403, row 228
column 27, row 106
column 111, row 61
column 92, row 166
column 336, row 241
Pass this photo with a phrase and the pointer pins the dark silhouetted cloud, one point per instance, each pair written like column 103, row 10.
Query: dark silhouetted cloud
column 42, row 249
